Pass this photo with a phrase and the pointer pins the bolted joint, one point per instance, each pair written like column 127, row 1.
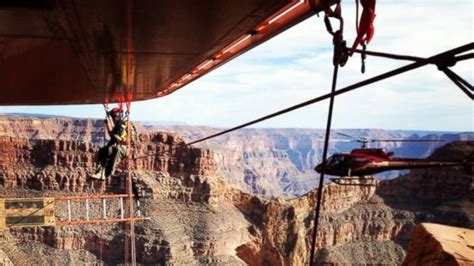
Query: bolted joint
column 445, row 62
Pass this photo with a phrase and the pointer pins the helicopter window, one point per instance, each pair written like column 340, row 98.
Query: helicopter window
column 335, row 160
column 329, row 161
column 359, row 159
column 339, row 165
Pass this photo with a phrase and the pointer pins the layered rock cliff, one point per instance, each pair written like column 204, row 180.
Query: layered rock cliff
column 265, row 162
column 280, row 162
column 51, row 164
column 173, row 174
column 31, row 127
column 435, row 244
column 198, row 218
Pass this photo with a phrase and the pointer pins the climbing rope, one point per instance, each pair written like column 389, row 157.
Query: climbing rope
column 129, row 189
column 325, row 151
column 130, row 74
column 340, row 57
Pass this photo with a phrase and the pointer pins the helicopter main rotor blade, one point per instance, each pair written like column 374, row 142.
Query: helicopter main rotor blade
column 405, row 140
column 336, row 140
column 345, row 135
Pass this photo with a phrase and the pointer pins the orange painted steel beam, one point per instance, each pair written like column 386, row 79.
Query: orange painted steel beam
column 91, row 197
column 167, row 50
column 293, row 13
column 97, row 221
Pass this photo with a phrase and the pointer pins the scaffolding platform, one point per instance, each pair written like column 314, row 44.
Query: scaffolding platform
column 67, row 210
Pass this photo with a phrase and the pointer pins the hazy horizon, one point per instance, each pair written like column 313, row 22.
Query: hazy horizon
column 296, row 66
column 180, row 123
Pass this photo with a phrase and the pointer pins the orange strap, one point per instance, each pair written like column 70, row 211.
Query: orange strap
column 365, row 30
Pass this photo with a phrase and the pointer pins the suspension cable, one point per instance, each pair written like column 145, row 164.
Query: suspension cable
column 419, row 62
column 389, row 55
column 457, row 80
column 438, row 58
column 464, row 85
column 325, row 152
column 460, row 79
column 464, row 57
column 409, row 57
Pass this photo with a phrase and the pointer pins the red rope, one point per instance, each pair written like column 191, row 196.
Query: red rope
column 357, row 15
column 130, row 248
column 365, row 28
column 122, row 99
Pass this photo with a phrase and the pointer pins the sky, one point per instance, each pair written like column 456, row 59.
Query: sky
column 296, row 66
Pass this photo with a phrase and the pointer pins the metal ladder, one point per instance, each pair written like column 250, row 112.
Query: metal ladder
column 105, row 217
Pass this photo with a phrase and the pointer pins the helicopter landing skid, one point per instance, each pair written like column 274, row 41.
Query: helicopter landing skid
column 355, row 181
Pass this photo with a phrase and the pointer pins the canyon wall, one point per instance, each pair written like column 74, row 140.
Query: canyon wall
column 435, row 244
column 51, row 164
column 199, row 218
column 280, row 162
column 266, row 162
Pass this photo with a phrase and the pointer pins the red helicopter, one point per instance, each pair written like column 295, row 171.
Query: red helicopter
column 364, row 162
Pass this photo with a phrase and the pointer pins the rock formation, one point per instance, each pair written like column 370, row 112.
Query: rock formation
column 265, row 162
column 434, row 244
column 199, row 218
column 280, row 162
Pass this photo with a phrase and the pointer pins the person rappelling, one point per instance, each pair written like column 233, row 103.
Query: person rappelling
column 110, row 156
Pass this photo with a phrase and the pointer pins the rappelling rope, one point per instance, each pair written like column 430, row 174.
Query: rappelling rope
column 340, row 57
column 129, row 189
column 130, row 69
column 321, row 178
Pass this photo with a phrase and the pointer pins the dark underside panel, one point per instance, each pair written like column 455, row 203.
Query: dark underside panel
column 75, row 52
